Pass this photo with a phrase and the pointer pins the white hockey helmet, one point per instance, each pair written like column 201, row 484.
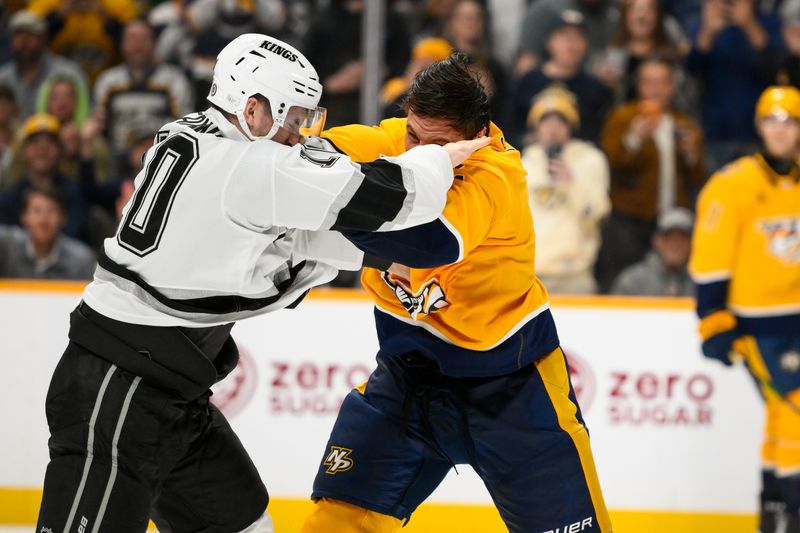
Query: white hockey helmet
column 258, row 64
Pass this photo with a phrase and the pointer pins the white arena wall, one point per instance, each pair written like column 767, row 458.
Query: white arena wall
column 675, row 437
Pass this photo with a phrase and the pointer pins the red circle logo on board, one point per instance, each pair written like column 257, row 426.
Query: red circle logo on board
column 233, row 393
column 583, row 380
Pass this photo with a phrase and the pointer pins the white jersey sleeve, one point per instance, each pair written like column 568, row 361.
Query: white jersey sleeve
column 314, row 187
column 329, row 247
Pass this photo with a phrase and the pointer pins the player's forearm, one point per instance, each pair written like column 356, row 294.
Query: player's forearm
column 712, row 294
column 329, row 247
column 426, row 246
column 427, row 176
column 316, row 188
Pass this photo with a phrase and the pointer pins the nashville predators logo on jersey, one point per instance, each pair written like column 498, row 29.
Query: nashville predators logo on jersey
column 428, row 299
column 784, row 238
column 338, row 460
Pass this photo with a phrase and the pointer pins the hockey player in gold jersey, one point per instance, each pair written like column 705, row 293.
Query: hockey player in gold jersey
column 746, row 263
column 469, row 369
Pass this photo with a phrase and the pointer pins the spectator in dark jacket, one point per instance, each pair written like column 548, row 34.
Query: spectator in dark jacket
column 567, row 45
column 685, row 12
column 789, row 73
column 735, row 51
column 41, row 153
column 601, row 18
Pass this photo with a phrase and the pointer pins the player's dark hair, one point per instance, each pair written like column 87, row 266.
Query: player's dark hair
column 450, row 89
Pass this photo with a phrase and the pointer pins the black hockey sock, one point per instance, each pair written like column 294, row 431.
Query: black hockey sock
column 792, row 523
column 772, row 506
column 790, row 493
column 790, row 490
column 771, row 517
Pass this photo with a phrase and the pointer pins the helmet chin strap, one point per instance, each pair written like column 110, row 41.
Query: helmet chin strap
column 249, row 134
column 272, row 131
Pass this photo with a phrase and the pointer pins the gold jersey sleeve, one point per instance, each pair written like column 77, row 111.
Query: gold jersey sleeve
column 716, row 234
column 367, row 143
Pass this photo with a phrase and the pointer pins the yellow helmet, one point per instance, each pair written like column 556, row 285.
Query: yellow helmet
column 782, row 101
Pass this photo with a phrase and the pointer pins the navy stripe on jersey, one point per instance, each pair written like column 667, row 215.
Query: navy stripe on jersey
column 215, row 305
column 378, row 200
column 426, row 246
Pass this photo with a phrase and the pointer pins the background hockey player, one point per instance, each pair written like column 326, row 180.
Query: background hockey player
column 746, row 263
column 469, row 368
column 219, row 228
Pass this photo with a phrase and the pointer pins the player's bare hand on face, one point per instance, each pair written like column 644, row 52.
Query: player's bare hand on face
column 461, row 150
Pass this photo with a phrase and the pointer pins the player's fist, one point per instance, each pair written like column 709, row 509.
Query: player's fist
column 719, row 346
column 461, row 150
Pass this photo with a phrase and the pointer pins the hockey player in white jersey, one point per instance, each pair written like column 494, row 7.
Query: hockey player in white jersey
column 232, row 216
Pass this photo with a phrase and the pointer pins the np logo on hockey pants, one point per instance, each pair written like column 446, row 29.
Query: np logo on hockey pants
column 338, row 460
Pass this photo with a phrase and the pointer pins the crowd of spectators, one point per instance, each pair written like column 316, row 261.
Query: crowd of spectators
column 621, row 109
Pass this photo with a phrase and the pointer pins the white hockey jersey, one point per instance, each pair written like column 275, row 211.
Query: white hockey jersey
column 220, row 228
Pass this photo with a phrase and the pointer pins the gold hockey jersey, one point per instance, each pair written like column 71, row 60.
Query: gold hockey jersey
column 471, row 286
column 746, row 247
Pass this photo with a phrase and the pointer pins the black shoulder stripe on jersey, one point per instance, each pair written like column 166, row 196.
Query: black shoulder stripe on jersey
column 378, row 200
column 215, row 305
column 200, row 123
